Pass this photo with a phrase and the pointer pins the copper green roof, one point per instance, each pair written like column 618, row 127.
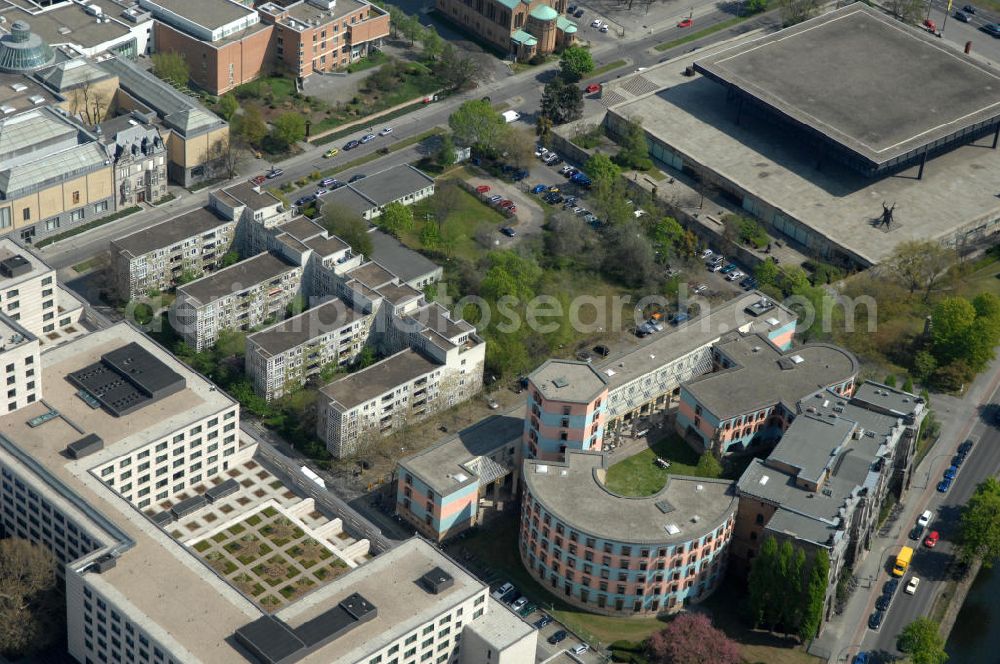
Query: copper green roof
column 566, row 25
column 510, row 4
column 522, row 37
column 544, row 13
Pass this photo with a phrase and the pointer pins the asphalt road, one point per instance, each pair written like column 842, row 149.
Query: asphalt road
column 984, row 45
column 930, row 565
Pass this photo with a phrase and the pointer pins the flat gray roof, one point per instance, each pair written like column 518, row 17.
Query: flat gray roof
column 253, row 196
column 242, row 275
column 348, row 199
column 371, row 274
column 297, row 330
column 399, row 259
column 765, row 375
column 435, row 317
column 445, row 465
column 170, row 231
column 568, row 380
column 301, row 228
column 573, row 491
column 392, row 184
column 863, row 81
column 209, row 14
column 68, row 23
column 377, row 379
column 674, row 342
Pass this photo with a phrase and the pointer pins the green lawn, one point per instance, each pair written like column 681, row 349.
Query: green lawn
column 465, row 219
column 606, row 68
column 639, row 475
column 702, row 33
column 375, row 59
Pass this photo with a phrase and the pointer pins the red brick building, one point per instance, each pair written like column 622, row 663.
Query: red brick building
column 523, row 28
column 227, row 43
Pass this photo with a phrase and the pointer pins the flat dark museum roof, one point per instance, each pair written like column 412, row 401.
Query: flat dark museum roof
column 870, row 85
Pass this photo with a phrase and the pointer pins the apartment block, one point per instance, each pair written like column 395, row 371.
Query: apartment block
column 751, row 398
column 441, row 365
column 823, row 485
column 19, row 360
column 249, row 293
column 368, row 197
column 30, row 295
column 567, row 407
column 323, row 35
column 459, row 481
column 284, row 356
column 523, row 29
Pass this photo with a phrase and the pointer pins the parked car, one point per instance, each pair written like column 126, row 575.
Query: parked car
column 512, row 209
column 495, row 198
column 571, row 171
column 502, row 590
column 350, row 145
column 963, row 17
column 546, row 619
column 958, row 460
column 571, row 9
column 337, row 184
column 705, row 255
column 890, row 587
column 355, row 178
column 527, row 610
column 508, row 231
column 728, row 268
column 578, row 13
column 539, row 151
column 912, row 586
column 551, row 158
column 275, row 172
column 592, row 88
column 385, row 132
column 305, row 200
column 581, row 648
column 258, row 179
column 332, row 152
column 602, row 350
column 367, row 138
column 930, row 25
column 483, row 189
column 883, row 602
column 596, row 23
column 539, row 188
column 925, row 519
column 875, row 620
column 699, row 289
column 861, row 658
column 916, row 532
column 558, row 637
column 505, row 203
column 519, row 175
column 992, row 29
column 932, row 539
column 603, row 28
column 944, row 485
column 321, row 192
column 968, row 9
column 965, row 447
column 519, row 603
column 326, row 182
column 950, row 472
column 734, row 275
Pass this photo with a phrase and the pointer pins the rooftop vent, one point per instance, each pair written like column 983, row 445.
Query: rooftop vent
column 7, row 110
column 797, row 359
column 560, row 382
column 85, row 446
column 18, row 87
column 763, row 480
column 63, row 30
column 695, row 519
column 436, row 581
column 772, row 320
column 541, row 468
column 36, row 99
column 699, row 487
column 104, row 563
column 15, row 266
column 460, row 477
column 672, row 528
column 664, row 506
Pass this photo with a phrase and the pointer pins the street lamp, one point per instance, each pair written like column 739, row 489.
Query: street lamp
column 930, row 467
column 840, row 655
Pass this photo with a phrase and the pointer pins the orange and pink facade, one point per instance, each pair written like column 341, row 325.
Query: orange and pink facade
column 567, row 409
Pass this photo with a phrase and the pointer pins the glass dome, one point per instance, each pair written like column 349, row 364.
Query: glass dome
column 22, row 50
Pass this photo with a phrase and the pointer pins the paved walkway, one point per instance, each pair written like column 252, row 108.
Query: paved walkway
column 957, row 417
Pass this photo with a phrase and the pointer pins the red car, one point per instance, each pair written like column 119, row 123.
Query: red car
column 483, row 189
column 592, row 88
column 512, row 209
column 930, row 25
column 258, row 180
column 686, row 23
column 932, row 539
column 506, row 203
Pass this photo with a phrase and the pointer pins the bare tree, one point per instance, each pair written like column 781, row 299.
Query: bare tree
column 907, row 11
column 920, row 265
column 27, row 572
column 796, row 11
column 520, row 143
column 225, row 157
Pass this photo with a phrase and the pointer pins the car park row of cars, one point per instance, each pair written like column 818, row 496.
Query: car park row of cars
column 718, row 263
column 367, row 138
column 951, row 472
column 512, row 597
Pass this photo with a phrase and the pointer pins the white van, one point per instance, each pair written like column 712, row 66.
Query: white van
column 511, row 116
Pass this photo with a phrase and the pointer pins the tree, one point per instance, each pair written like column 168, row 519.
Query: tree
column 920, row 265
column 225, row 158
column 445, row 155
column 564, row 239
column 767, row 272
column 690, row 638
column 575, row 63
column 27, row 575
column 979, row 528
column 250, row 126
column 668, row 237
column 510, row 274
column 610, row 202
column 634, row 152
column 961, row 332
column 814, row 596
column 349, row 227
column 601, row 170
column 458, row 70
column 519, row 146
column 396, row 218
column 761, row 584
column 562, row 102
column 924, row 365
column 289, row 128
column 476, row 124
column 384, row 78
column 708, row 465
column 230, row 258
column 796, row 11
column 228, row 106
column 907, row 11
column 629, row 259
column 433, row 44
column 171, row 66
column 922, row 641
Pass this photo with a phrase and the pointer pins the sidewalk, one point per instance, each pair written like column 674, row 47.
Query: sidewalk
column 957, row 416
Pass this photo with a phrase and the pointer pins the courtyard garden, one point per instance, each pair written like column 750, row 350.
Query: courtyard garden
column 270, row 559
column 639, row 475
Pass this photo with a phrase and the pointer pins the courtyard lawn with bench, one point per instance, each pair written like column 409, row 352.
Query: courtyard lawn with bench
column 639, row 475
